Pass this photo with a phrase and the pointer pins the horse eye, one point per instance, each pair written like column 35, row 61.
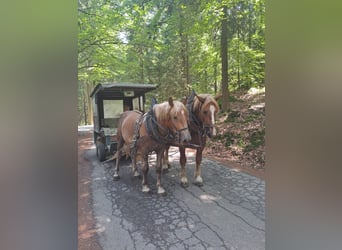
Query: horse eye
column 175, row 117
column 205, row 112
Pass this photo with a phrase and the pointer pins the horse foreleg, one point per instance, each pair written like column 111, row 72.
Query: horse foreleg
column 160, row 188
column 166, row 164
column 198, row 177
column 144, row 169
column 184, row 179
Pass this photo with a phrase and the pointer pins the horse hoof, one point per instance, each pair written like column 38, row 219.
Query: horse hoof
column 184, row 184
column 198, row 184
column 198, row 181
column 161, row 191
column 116, row 177
column 145, row 189
column 136, row 174
column 165, row 168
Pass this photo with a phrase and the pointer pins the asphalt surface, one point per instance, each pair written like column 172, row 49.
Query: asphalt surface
column 227, row 212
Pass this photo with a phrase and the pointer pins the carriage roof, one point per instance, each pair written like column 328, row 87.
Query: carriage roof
column 118, row 90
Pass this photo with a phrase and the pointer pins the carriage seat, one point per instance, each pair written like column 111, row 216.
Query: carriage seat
column 110, row 122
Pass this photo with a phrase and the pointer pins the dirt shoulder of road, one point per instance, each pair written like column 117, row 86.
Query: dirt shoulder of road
column 260, row 173
column 87, row 236
column 240, row 141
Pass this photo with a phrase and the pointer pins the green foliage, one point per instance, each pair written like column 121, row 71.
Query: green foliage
column 233, row 116
column 228, row 138
column 251, row 117
column 256, row 139
column 174, row 44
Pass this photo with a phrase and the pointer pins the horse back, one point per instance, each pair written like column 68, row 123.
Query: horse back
column 126, row 125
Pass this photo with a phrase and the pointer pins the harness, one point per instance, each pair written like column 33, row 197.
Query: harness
column 136, row 134
column 154, row 129
column 196, row 124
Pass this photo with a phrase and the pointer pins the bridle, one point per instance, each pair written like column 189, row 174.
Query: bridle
column 200, row 126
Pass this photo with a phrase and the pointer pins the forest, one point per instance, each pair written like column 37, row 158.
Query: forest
column 209, row 46
column 212, row 46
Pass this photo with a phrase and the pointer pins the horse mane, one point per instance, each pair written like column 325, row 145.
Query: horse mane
column 162, row 110
column 208, row 100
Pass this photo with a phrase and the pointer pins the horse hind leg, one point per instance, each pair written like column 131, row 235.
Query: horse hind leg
column 184, row 178
column 118, row 156
column 134, row 167
column 166, row 165
column 198, row 177
column 144, row 168
column 116, row 176
column 161, row 190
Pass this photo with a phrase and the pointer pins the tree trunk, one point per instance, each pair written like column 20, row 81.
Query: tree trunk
column 238, row 59
column 84, row 108
column 184, row 41
column 215, row 78
column 142, row 76
column 224, row 61
column 90, row 109
column 187, row 71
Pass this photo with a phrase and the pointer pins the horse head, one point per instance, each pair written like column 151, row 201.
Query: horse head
column 206, row 108
column 174, row 116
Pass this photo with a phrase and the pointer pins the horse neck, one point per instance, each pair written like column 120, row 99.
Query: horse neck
column 195, row 113
column 162, row 120
column 196, row 109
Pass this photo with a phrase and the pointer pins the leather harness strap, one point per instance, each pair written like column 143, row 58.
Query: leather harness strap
column 136, row 134
column 153, row 128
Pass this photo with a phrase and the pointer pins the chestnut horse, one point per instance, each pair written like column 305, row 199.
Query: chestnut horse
column 202, row 111
column 139, row 134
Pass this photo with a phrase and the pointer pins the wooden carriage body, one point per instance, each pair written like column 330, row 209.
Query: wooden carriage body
column 108, row 102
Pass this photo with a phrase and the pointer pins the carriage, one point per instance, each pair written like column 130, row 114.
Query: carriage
column 109, row 101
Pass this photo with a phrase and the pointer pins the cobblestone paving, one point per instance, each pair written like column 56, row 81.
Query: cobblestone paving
column 228, row 212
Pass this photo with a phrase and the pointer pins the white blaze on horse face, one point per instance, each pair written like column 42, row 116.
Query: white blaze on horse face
column 212, row 110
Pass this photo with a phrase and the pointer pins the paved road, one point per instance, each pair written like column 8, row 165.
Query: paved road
column 228, row 212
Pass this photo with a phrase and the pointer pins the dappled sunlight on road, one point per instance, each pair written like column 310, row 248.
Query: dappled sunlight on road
column 207, row 198
column 174, row 156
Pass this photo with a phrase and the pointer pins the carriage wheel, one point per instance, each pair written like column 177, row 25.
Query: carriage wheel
column 101, row 151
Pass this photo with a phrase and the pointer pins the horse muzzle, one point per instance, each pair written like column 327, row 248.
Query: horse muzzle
column 210, row 131
column 184, row 135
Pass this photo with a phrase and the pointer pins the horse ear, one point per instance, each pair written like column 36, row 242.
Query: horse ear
column 171, row 101
column 201, row 99
column 184, row 100
column 218, row 97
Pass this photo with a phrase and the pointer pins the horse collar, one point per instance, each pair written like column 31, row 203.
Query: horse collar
column 153, row 128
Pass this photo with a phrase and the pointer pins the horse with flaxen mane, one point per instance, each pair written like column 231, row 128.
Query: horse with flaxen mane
column 202, row 110
column 139, row 134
